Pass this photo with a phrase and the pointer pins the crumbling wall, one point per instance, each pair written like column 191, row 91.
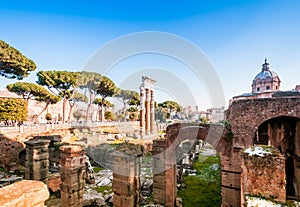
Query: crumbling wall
column 263, row 173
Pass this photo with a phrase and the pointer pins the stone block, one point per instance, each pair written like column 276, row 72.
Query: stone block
column 26, row 193
column 125, row 188
column 71, row 188
column 122, row 201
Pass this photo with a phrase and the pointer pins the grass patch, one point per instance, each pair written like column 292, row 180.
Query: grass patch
column 97, row 169
column 204, row 189
column 103, row 189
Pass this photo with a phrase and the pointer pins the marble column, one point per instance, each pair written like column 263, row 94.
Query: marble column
column 152, row 113
column 142, row 111
column 147, row 103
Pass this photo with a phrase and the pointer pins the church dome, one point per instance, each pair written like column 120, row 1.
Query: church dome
column 266, row 80
column 266, row 72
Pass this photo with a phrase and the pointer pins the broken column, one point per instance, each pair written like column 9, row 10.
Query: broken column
column 73, row 174
column 263, row 174
column 126, row 175
column 37, row 160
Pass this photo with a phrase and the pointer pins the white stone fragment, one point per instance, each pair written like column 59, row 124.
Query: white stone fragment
column 259, row 151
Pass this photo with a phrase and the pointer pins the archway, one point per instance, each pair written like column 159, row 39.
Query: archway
column 284, row 133
column 164, row 157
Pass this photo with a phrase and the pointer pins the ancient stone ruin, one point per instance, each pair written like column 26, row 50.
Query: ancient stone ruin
column 147, row 113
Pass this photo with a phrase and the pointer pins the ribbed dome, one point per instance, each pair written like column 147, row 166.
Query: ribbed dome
column 266, row 72
column 266, row 80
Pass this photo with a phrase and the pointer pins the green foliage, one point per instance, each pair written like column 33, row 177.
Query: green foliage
column 48, row 117
column 109, row 116
column 13, row 64
column 97, row 169
column 63, row 82
column 102, row 189
column 204, row 189
column 13, row 109
column 77, row 97
column 89, row 81
column 103, row 102
column 28, row 90
column 171, row 106
column 204, row 120
column 106, row 88
column 126, row 95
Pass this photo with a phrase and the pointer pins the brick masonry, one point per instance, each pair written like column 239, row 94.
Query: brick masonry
column 264, row 176
column 37, row 160
column 72, row 175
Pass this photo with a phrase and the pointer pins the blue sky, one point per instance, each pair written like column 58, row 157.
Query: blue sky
column 236, row 36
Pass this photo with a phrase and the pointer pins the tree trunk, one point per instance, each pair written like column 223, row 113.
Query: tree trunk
column 101, row 113
column 44, row 109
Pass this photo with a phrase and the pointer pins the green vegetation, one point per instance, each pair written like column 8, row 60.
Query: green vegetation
column 103, row 189
column 63, row 82
column 13, row 110
column 97, row 169
column 204, row 189
column 13, row 64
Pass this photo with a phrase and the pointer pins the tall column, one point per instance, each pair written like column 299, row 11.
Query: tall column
column 37, row 160
column 147, row 103
column 73, row 175
column 152, row 113
column 142, row 111
column 126, row 177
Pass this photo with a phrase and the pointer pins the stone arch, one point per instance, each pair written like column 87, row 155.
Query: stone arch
column 283, row 132
column 164, row 157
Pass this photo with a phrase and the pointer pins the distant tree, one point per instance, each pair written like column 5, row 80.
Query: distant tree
column 48, row 116
column 133, row 113
column 106, row 88
column 167, row 108
column 103, row 105
column 125, row 96
column 77, row 97
column 48, row 99
column 33, row 91
column 13, row 110
column 13, row 64
column 27, row 90
column 89, row 81
column 109, row 116
column 78, row 114
column 63, row 82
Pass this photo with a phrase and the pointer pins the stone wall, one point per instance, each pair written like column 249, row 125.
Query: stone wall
column 245, row 116
column 264, row 175
column 26, row 193
column 9, row 151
